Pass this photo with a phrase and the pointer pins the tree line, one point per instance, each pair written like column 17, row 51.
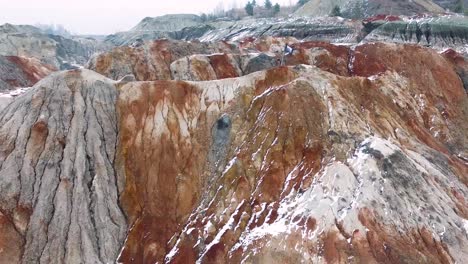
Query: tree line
column 266, row 9
column 268, row 5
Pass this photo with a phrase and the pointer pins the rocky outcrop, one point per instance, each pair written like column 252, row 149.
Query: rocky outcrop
column 365, row 8
column 363, row 159
column 21, row 72
column 59, row 190
column 60, row 52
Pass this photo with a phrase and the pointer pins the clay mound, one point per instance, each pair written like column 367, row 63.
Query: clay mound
column 298, row 164
column 59, row 194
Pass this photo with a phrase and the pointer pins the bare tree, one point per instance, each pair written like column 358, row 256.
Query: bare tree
column 219, row 10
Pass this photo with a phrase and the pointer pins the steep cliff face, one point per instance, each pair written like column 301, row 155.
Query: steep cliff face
column 359, row 157
column 59, row 195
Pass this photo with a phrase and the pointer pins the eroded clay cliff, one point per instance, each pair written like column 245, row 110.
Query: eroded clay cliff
column 59, row 190
column 300, row 165
column 347, row 155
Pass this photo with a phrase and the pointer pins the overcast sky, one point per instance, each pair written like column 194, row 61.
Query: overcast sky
column 103, row 16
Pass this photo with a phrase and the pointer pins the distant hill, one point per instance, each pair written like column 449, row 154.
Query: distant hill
column 166, row 26
column 168, row 22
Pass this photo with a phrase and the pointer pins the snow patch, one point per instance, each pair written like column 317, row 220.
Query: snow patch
column 465, row 226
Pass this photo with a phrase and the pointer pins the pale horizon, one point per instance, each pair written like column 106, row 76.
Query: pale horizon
column 89, row 17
